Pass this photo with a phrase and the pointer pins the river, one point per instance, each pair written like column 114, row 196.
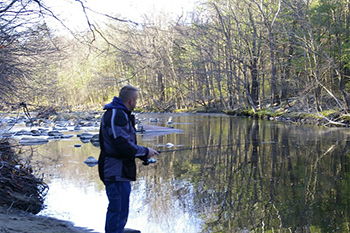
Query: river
column 223, row 174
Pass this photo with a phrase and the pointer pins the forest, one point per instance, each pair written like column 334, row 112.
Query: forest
column 290, row 56
column 225, row 55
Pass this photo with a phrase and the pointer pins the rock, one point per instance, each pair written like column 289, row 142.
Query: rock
column 153, row 120
column 85, row 123
column 35, row 132
column 77, row 127
column 95, row 140
column 65, row 136
column 27, row 141
column 91, row 161
column 170, row 120
column 168, row 145
column 23, row 132
column 85, row 140
column 83, row 136
column 55, row 133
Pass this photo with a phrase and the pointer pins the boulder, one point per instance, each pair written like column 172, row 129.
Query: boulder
column 27, row 141
column 55, row 133
column 91, row 161
column 95, row 140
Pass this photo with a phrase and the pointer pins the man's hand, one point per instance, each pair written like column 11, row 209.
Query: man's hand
column 151, row 152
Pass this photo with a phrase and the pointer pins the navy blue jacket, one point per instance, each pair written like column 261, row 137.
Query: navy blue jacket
column 118, row 144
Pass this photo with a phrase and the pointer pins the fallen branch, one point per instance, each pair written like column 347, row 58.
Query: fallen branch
column 19, row 188
column 331, row 122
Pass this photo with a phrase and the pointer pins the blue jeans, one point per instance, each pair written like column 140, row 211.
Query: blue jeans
column 118, row 194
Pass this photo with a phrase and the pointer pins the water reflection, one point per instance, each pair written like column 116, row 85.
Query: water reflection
column 241, row 174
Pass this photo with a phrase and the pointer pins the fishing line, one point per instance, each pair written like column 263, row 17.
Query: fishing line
column 153, row 160
column 203, row 147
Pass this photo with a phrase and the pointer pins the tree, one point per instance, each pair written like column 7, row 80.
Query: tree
column 25, row 45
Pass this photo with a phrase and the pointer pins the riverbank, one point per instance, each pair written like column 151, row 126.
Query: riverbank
column 14, row 220
column 328, row 118
column 289, row 113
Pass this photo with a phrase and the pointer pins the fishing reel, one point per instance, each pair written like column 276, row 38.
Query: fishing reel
column 149, row 161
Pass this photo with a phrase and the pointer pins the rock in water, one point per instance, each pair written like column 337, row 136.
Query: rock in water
column 28, row 141
column 91, row 161
column 169, row 145
column 95, row 140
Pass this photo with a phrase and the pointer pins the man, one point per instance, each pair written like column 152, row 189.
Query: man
column 116, row 164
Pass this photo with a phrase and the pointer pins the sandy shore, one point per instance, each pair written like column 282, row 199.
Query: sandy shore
column 13, row 220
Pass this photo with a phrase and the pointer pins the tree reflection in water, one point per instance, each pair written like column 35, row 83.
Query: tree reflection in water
column 266, row 176
column 273, row 177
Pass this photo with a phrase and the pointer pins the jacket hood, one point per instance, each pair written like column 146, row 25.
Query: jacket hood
column 116, row 103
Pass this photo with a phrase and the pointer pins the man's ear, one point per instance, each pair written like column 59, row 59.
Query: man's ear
column 131, row 102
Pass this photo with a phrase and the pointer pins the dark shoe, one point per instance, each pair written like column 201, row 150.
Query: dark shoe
column 127, row 230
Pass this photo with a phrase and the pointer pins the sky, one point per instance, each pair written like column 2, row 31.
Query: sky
column 71, row 10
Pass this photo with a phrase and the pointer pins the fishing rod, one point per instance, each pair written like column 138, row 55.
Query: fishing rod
column 195, row 148
column 153, row 160
column 203, row 147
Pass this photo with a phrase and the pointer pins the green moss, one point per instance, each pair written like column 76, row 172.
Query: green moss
column 183, row 110
column 331, row 113
column 306, row 115
column 263, row 113
column 268, row 113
